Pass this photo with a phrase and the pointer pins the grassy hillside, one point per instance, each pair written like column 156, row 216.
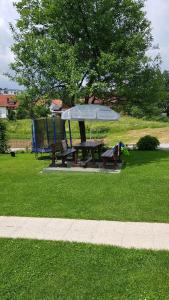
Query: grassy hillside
column 20, row 129
column 126, row 129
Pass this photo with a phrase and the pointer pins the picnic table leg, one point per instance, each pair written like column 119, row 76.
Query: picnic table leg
column 63, row 161
column 92, row 152
column 75, row 157
column 104, row 162
column 83, row 154
column 99, row 151
column 53, row 147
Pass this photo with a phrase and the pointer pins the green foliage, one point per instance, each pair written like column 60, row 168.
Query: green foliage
column 29, row 107
column 136, row 112
column 79, row 48
column 146, row 93
column 148, row 143
column 3, row 137
column 11, row 115
column 22, row 113
column 164, row 104
column 41, row 111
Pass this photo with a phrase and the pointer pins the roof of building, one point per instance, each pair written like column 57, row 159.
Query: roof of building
column 57, row 102
column 95, row 100
column 8, row 101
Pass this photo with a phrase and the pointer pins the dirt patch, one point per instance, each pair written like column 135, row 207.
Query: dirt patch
column 161, row 133
column 20, row 143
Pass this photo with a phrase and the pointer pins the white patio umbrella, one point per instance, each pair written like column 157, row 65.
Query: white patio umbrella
column 90, row 112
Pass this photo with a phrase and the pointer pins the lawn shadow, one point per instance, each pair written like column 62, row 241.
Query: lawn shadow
column 138, row 158
column 44, row 157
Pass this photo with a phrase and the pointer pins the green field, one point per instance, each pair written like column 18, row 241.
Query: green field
column 57, row 270
column 126, row 129
column 139, row 193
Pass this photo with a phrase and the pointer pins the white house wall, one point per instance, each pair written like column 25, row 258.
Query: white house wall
column 3, row 113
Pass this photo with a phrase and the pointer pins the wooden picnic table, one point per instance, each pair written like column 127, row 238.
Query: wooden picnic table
column 87, row 146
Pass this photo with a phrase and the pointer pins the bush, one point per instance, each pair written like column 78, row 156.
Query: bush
column 11, row 115
column 148, row 142
column 3, row 137
column 136, row 112
column 21, row 113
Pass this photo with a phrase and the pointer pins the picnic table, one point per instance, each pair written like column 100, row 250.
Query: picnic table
column 89, row 146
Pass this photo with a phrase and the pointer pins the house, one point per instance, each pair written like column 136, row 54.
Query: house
column 95, row 100
column 56, row 105
column 7, row 102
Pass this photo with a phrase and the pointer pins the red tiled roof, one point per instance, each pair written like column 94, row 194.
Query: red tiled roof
column 95, row 100
column 8, row 101
column 57, row 102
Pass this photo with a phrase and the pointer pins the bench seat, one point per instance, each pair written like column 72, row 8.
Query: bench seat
column 108, row 153
column 112, row 154
column 63, row 155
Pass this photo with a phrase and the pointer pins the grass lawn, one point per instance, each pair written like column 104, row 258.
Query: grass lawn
column 127, row 129
column 57, row 270
column 139, row 193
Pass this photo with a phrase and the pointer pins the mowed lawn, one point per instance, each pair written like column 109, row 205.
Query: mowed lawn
column 139, row 193
column 58, row 270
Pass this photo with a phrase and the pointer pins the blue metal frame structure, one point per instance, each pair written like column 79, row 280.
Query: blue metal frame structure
column 45, row 148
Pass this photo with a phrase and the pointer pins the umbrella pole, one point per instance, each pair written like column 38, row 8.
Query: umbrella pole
column 82, row 131
column 70, row 133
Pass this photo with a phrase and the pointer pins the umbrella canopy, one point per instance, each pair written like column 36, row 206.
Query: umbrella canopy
column 90, row 112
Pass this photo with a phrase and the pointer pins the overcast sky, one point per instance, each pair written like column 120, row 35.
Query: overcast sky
column 157, row 11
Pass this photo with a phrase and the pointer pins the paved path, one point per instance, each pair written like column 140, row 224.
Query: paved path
column 123, row 234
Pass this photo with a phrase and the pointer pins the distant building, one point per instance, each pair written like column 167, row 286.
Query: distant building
column 10, row 92
column 7, row 102
column 95, row 100
column 56, row 105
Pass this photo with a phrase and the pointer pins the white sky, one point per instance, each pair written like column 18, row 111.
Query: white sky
column 157, row 12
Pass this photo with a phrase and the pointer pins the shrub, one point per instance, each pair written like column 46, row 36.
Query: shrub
column 136, row 112
column 148, row 142
column 11, row 115
column 3, row 137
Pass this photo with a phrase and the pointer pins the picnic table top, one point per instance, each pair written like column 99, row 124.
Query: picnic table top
column 88, row 144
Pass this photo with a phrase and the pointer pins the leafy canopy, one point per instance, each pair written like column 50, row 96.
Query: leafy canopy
column 79, row 48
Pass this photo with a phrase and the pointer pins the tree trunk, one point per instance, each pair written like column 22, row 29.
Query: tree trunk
column 87, row 100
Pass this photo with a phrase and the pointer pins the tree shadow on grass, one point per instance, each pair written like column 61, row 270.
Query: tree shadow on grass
column 138, row 158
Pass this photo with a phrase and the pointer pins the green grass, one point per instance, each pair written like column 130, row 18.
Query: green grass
column 112, row 132
column 20, row 129
column 57, row 270
column 139, row 193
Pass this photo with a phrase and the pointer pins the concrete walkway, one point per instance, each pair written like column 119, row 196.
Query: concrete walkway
column 123, row 234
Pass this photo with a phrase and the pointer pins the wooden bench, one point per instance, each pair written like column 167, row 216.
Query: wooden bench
column 112, row 154
column 63, row 154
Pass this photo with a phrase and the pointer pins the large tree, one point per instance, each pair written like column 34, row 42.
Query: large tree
column 78, row 48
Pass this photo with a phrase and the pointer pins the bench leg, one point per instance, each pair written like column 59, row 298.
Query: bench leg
column 75, row 157
column 63, row 161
